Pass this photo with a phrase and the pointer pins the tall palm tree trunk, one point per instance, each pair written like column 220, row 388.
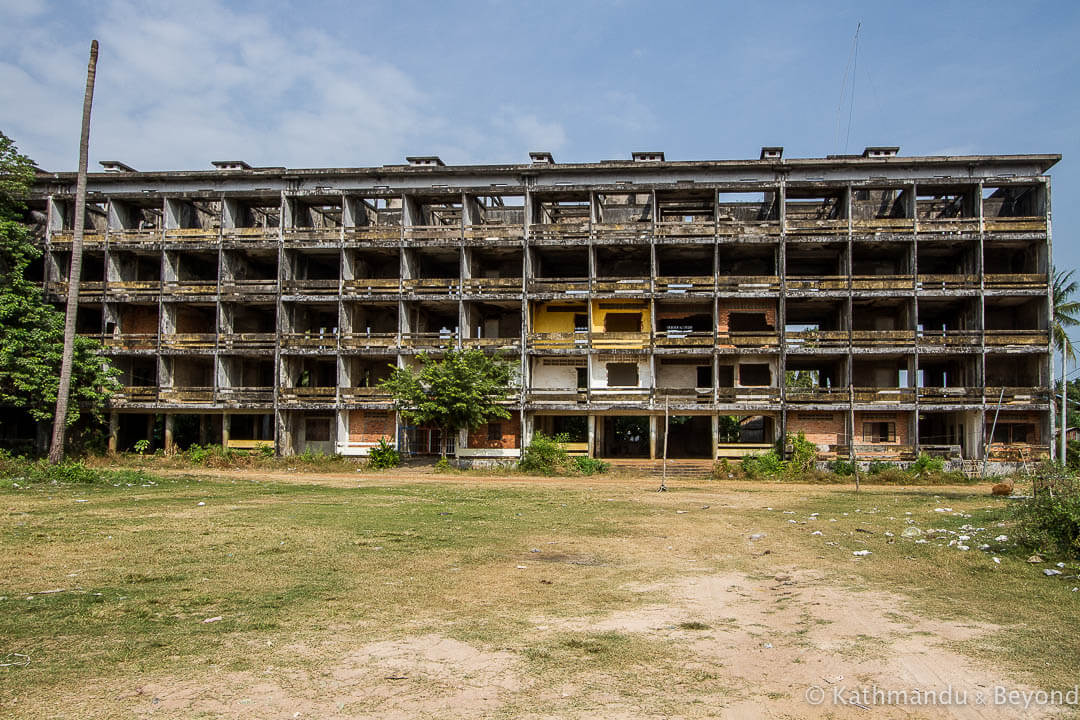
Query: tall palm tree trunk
column 56, row 450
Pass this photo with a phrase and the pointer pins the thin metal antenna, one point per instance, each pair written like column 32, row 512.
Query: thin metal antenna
column 854, row 75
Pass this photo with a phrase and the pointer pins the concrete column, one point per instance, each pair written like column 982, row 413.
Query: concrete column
column 170, row 424
column 715, row 437
column 652, row 436
column 204, row 429
column 114, row 432
column 226, row 427
column 592, row 436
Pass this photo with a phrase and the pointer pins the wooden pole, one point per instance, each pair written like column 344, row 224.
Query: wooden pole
column 663, row 477
column 56, row 450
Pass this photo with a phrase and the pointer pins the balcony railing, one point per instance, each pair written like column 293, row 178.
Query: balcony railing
column 134, row 288
column 950, row 395
column 629, row 286
column 730, row 227
column 683, row 395
column 946, row 283
column 1015, row 224
column 620, row 340
column 256, row 394
column 187, row 394
column 883, row 338
column 311, row 237
column 247, row 341
column 320, row 395
column 557, row 395
column 309, row 340
column 90, row 239
column 947, row 338
column 382, row 235
column 811, row 227
column 1017, row 395
column 1026, row 282
column 429, row 339
column 815, row 339
column 494, row 233
column 493, row 343
column 884, row 396
column 131, row 341
column 436, row 234
column 816, row 395
column 573, row 233
column 619, row 394
column 88, row 289
column 883, row 282
column 371, row 286
column 431, row 286
column 570, row 286
column 194, row 236
column 678, row 231
column 743, row 395
column 188, row 341
column 748, row 283
column 135, row 394
column 1017, row 338
column 688, row 285
column 948, row 225
column 311, row 287
column 249, row 235
column 190, row 288
column 365, row 394
column 621, row 233
column 683, row 339
column 816, row 283
column 748, row 339
column 248, row 287
column 553, row 340
column 491, row 286
column 354, row 340
column 883, row 225
column 120, row 238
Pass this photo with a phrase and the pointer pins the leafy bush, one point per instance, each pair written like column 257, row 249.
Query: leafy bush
column 443, row 466
column 926, row 464
column 1050, row 521
column 803, row 454
column 545, row 454
column 383, row 456
column 590, row 466
column 141, row 446
column 843, row 468
column 764, row 465
column 880, row 466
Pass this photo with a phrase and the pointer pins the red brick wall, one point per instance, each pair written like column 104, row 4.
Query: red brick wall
column 903, row 435
column 139, row 320
column 728, row 306
column 367, row 426
column 821, row 428
column 510, row 439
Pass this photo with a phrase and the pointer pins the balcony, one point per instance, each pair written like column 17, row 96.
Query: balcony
column 241, row 288
column 135, row 289
column 306, row 395
column 883, row 283
column 557, row 340
column 242, row 395
column 494, row 233
column 695, row 285
column 729, row 228
column 67, row 237
column 817, row 395
column 131, row 341
column 491, row 286
column 188, row 341
column 748, row 395
column 818, row 283
column 1027, row 339
column 809, row 340
column 683, row 395
column 194, row 395
column 748, row 284
column 88, row 290
column 748, row 339
column 797, row 228
column 540, row 396
column 567, row 286
column 433, row 234
column 321, row 288
column 950, row 395
column 619, row 394
column 373, row 235
column 362, row 287
column 622, row 286
column 1015, row 224
column 884, row 396
column 683, row 339
column 134, row 238
column 247, row 341
column 685, row 232
column 883, row 338
column 190, row 288
column 433, row 340
column 431, row 287
column 620, row 340
column 309, row 341
column 883, row 225
column 633, row 233
column 359, row 341
column 946, row 283
column 492, row 343
column 365, row 395
column 948, row 226
column 564, row 233
column 1017, row 396
column 134, row 394
column 311, row 237
column 931, row 339
column 194, row 236
column 247, row 236
column 1029, row 282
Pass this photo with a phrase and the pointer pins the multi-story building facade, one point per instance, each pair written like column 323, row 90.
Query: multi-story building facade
column 883, row 305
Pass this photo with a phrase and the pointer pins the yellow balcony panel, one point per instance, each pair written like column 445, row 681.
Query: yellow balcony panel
column 1017, row 338
column 684, row 231
column 309, row 341
column 131, row 341
column 187, row 395
column 189, row 341
column 883, row 282
column 947, row 283
column 356, row 340
column 494, row 233
column 191, row 235
column 1020, row 281
column 748, row 283
column 573, row 232
column 491, row 286
column 247, row 341
column 1015, row 224
column 320, row 395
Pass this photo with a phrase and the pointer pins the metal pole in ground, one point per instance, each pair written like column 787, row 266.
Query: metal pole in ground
column 663, row 477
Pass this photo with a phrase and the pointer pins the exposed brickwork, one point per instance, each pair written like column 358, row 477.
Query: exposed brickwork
column 368, row 426
column 821, row 428
column 509, row 438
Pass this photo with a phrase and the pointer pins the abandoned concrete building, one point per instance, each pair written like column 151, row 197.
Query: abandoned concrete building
column 883, row 305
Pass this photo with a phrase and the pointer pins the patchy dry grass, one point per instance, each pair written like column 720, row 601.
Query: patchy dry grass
column 383, row 596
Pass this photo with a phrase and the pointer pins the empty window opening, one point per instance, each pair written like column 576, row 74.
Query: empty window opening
column 879, row 432
column 622, row 374
column 754, row 375
column 622, row 322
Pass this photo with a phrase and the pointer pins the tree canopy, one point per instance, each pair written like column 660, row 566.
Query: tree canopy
column 31, row 330
column 462, row 390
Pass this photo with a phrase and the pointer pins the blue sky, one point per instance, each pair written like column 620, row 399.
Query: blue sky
column 357, row 83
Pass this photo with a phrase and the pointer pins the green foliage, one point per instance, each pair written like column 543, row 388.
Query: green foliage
column 264, row 450
column 1066, row 311
column 803, row 454
column 443, row 466
column 844, row 468
column 141, row 446
column 926, row 464
column 545, row 454
column 1050, row 521
column 590, row 466
column 765, row 465
column 771, row 465
column 880, row 466
column 728, row 429
column 462, row 390
column 383, row 456
column 15, row 470
column 31, row 330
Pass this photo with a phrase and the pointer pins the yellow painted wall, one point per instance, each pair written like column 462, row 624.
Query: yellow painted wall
column 599, row 314
column 554, row 322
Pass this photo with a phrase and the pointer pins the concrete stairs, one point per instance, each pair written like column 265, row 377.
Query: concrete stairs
column 676, row 469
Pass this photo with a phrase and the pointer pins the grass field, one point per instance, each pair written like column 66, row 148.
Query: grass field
column 403, row 595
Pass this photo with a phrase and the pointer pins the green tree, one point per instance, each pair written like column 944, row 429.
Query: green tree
column 1066, row 316
column 31, row 330
column 462, row 390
